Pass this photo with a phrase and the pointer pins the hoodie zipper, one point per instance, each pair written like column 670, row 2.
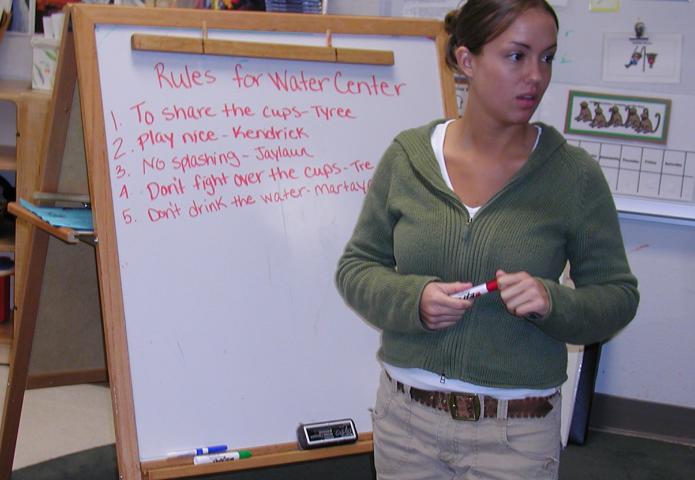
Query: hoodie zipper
column 469, row 220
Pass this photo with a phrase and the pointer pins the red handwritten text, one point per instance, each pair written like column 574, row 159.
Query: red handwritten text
column 152, row 137
column 280, row 153
column 286, row 194
column 156, row 189
column 191, row 161
column 345, row 186
column 210, row 183
column 326, row 171
column 272, row 133
column 281, row 112
column 371, row 87
column 186, row 79
column 172, row 212
column 235, row 110
column 251, row 178
column 327, row 113
column 239, row 201
column 246, row 80
column 198, row 136
column 290, row 82
column 197, row 209
column 177, row 112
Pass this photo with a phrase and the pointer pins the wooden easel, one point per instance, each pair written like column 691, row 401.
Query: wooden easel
column 129, row 464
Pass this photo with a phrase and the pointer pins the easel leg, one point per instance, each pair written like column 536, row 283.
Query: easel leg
column 20, row 355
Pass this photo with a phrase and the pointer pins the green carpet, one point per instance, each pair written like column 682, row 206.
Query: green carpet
column 603, row 456
column 617, row 457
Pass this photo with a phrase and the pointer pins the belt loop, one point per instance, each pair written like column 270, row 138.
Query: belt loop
column 502, row 409
column 398, row 386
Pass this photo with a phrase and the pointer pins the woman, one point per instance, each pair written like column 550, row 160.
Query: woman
column 470, row 387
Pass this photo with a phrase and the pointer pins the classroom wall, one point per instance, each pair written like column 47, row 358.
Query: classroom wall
column 652, row 358
column 580, row 42
column 15, row 59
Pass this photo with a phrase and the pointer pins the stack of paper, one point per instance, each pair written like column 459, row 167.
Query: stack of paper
column 295, row 6
column 53, row 25
column 75, row 218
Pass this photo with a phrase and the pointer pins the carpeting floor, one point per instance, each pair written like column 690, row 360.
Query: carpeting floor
column 603, row 456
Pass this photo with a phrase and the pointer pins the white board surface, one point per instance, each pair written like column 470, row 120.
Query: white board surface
column 236, row 184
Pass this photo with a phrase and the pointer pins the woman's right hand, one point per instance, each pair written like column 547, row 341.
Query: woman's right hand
column 438, row 309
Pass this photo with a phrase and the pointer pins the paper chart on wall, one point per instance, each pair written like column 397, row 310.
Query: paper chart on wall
column 648, row 172
column 653, row 59
column 656, row 180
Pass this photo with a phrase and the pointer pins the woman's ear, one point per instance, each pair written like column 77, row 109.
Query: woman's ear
column 464, row 60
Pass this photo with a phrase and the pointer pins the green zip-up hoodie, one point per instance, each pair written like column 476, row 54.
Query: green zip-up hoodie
column 414, row 230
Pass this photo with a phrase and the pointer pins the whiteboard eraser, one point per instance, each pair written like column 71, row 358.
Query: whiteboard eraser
column 326, row 434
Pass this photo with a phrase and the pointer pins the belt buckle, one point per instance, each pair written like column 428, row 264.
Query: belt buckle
column 453, row 406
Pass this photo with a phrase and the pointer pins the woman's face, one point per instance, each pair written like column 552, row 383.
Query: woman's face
column 511, row 73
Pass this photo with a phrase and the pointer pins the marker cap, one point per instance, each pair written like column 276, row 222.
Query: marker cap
column 491, row 285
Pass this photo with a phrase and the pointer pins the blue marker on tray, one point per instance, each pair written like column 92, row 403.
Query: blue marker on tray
column 198, row 451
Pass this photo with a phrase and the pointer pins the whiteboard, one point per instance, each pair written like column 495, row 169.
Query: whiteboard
column 236, row 184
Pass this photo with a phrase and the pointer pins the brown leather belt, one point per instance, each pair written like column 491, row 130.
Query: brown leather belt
column 466, row 406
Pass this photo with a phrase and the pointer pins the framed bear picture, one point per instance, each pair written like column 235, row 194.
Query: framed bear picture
column 626, row 117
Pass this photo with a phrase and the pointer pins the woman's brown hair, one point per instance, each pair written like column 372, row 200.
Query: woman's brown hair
column 478, row 22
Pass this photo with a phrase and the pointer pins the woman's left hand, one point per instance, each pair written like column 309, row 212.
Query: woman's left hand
column 523, row 294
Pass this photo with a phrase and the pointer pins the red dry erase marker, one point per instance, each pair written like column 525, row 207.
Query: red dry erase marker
column 477, row 291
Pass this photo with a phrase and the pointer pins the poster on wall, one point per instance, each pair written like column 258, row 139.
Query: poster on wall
column 651, row 177
column 652, row 59
column 604, row 5
column 620, row 116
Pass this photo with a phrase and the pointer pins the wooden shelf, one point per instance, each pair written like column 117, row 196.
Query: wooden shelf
column 8, row 158
column 12, row 89
column 68, row 235
column 30, row 108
